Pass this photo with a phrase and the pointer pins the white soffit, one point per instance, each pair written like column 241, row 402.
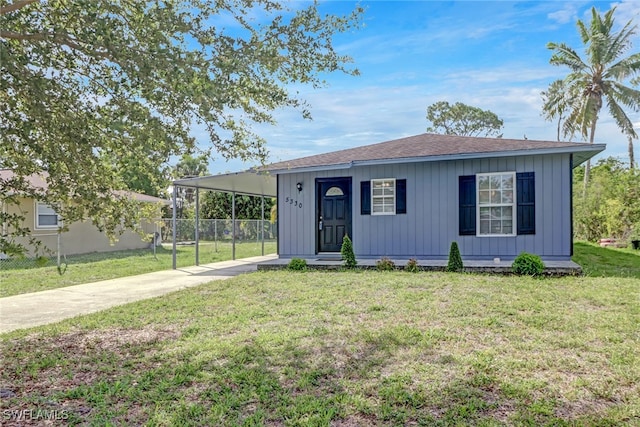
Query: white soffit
column 249, row 182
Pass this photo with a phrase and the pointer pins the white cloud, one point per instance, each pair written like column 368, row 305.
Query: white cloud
column 568, row 13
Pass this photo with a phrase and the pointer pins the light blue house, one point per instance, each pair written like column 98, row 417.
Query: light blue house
column 412, row 197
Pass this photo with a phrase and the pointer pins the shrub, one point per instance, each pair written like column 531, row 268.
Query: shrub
column 412, row 266
column 527, row 264
column 385, row 264
column 297, row 264
column 348, row 256
column 455, row 259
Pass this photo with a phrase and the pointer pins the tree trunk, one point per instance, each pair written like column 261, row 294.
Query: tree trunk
column 587, row 169
column 631, row 159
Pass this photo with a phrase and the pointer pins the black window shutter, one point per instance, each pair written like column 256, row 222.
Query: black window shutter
column 365, row 198
column 401, row 196
column 467, row 205
column 526, row 201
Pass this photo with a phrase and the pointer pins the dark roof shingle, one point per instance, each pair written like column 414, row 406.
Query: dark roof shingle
column 424, row 146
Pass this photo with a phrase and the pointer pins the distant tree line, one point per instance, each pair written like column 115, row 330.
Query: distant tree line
column 611, row 207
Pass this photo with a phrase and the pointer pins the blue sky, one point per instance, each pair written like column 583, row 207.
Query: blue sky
column 411, row 54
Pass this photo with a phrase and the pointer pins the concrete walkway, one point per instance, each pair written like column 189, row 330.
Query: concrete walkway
column 41, row 308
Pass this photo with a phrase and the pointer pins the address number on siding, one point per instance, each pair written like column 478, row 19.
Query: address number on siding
column 290, row 201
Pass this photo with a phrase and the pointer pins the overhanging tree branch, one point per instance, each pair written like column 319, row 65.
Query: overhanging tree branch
column 16, row 5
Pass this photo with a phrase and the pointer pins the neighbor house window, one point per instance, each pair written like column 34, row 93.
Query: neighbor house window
column 383, row 196
column 46, row 216
column 496, row 204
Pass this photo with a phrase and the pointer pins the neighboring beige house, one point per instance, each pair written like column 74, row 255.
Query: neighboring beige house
column 81, row 237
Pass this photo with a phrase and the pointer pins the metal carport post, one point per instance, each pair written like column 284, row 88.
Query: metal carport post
column 250, row 183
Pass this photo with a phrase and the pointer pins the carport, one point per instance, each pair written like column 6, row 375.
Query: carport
column 249, row 183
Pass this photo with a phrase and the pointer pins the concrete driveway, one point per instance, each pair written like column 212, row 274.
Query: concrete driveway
column 41, row 308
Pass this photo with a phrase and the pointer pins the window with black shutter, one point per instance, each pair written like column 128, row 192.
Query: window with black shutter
column 392, row 191
column 491, row 203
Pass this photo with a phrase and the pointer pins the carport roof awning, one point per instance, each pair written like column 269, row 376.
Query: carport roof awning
column 249, row 182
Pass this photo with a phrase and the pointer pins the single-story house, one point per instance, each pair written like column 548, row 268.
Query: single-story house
column 81, row 237
column 412, row 197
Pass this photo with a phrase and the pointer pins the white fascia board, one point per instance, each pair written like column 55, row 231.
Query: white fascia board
column 312, row 168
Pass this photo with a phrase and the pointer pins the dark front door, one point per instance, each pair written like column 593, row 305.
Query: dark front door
column 334, row 212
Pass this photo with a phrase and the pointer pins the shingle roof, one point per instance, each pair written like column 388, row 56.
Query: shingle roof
column 39, row 182
column 435, row 147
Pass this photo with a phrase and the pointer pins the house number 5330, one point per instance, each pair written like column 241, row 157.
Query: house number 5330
column 292, row 202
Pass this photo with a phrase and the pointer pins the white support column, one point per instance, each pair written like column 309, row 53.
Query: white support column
column 173, row 217
column 197, row 225
column 233, row 225
column 262, row 226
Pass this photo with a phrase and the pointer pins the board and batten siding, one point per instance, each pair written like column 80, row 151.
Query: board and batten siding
column 431, row 222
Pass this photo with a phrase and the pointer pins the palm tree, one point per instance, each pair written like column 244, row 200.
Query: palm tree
column 557, row 100
column 602, row 76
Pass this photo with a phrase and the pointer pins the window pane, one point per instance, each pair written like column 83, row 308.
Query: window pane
column 47, row 220
column 496, row 213
column 495, row 181
column 496, row 197
column 485, row 213
column 44, row 209
column 507, row 181
column 496, row 227
column 334, row 191
column 484, row 197
column 507, row 227
column 378, row 191
column 484, row 227
column 507, row 212
column 483, row 182
column 507, row 196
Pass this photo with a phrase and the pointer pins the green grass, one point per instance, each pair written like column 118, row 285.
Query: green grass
column 597, row 261
column 339, row 348
column 24, row 277
column 343, row 348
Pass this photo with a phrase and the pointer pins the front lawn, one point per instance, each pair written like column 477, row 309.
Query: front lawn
column 342, row 349
column 607, row 262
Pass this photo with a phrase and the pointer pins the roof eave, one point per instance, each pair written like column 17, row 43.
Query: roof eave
column 581, row 153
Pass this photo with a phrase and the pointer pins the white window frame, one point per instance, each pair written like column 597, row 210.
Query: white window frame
column 41, row 205
column 384, row 197
column 501, row 204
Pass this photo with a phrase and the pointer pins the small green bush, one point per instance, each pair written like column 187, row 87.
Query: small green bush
column 455, row 259
column 346, row 250
column 412, row 266
column 527, row 264
column 297, row 264
column 385, row 264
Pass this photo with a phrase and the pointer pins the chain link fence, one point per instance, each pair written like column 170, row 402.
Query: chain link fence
column 214, row 235
column 219, row 230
